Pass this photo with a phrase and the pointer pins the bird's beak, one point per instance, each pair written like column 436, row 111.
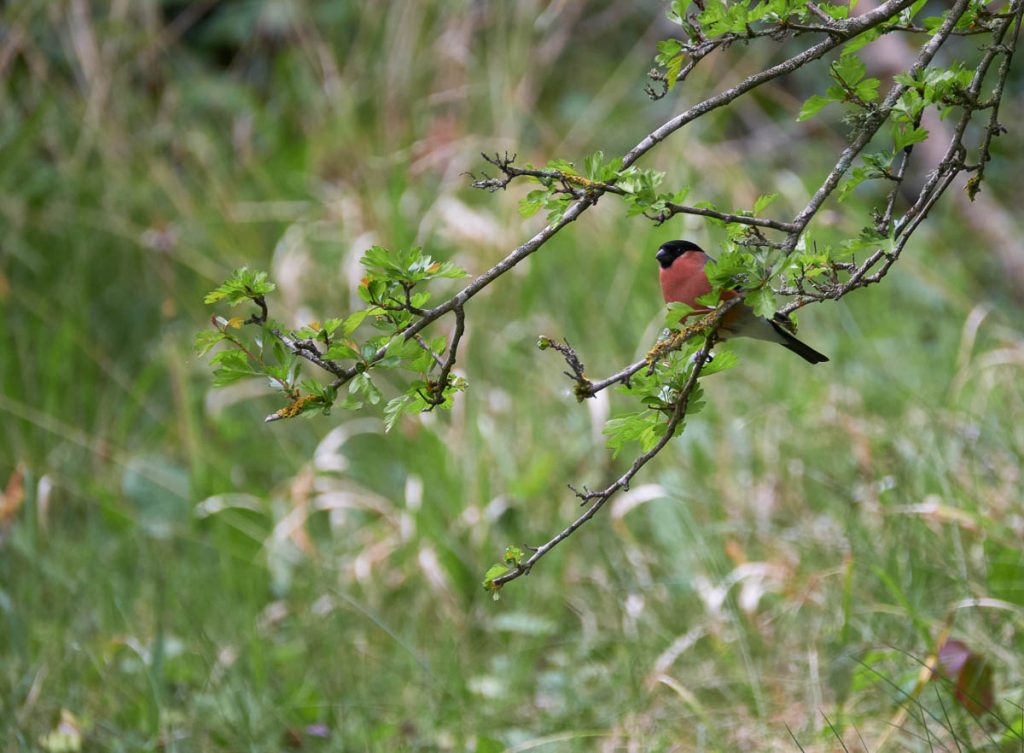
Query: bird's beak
column 664, row 258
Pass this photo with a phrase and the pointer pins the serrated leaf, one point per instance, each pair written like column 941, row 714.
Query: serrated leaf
column 222, row 377
column 331, row 325
column 857, row 176
column 352, row 322
column 710, row 299
column 902, row 138
column 373, row 393
column 677, row 10
column 668, row 49
column 494, row 571
column 867, row 89
column 644, row 427
column 675, row 312
column 849, row 69
column 379, row 260
column 905, row 79
column 762, row 301
column 532, row 203
column 672, row 70
column 243, row 285
column 680, row 196
column 561, row 165
column 205, row 340
column 763, row 201
column 812, row 107
column 410, row 402
column 340, row 349
column 723, row 360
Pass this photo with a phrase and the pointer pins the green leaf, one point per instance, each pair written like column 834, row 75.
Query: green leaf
column 592, row 165
column 677, row 10
column 906, row 79
column 232, row 365
column 848, row 69
column 331, row 325
column 732, row 269
column 762, row 301
column 869, row 237
column 494, row 571
column 710, row 299
column 561, row 165
column 557, row 206
column 379, row 260
column 340, row 349
column 530, row 204
column 675, row 312
column 667, row 49
column 812, row 107
column 243, row 285
column 857, row 176
column 205, row 340
column 904, row 137
column 410, row 402
column 723, row 360
column 763, row 201
column 867, row 89
column 672, row 70
column 406, row 265
column 362, row 383
column 645, row 427
column 352, row 321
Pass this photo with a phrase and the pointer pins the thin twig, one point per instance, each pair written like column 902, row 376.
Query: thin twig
column 597, row 500
column 437, row 388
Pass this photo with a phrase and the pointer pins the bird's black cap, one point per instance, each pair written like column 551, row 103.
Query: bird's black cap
column 672, row 250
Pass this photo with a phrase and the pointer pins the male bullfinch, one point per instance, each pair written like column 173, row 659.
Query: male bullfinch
column 684, row 280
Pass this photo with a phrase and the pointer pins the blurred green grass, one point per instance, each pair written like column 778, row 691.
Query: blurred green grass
column 182, row 577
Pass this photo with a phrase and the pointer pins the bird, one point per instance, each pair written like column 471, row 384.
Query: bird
column 684, row 280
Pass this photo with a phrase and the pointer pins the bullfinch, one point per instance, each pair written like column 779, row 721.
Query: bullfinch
column 684, row 280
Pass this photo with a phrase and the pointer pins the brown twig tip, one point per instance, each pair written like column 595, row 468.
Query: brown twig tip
column 294, row 408
column 503, row 163
column 583, row 388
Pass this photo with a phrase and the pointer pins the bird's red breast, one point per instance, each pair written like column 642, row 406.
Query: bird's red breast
column 685, row 281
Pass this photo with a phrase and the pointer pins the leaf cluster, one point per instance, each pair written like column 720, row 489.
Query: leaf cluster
column 394, row 300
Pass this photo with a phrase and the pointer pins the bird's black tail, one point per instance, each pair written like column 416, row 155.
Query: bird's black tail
column 803, row 350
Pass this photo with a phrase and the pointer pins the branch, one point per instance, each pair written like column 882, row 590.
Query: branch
column 597, row 500
column 843, row 31
column 948, row 168
column 436, row 390
column 585, row 192
column 741, row 219
column 951, row 165
column 874, row 121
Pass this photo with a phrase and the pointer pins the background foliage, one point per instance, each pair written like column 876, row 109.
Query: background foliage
column 174, row 574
